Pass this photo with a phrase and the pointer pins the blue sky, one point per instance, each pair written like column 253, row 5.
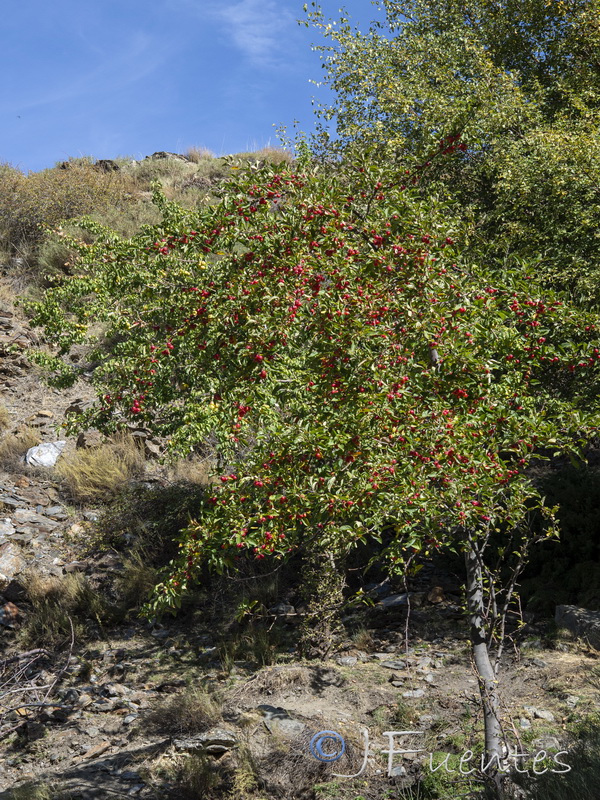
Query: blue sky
column 111, row 78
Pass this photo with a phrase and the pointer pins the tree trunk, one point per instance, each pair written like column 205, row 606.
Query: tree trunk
column 488, row 684
column 323, row 581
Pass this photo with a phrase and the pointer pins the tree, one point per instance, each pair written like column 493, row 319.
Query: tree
column 362, row 380
column 520, row 82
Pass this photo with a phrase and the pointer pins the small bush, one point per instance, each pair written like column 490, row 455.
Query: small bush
column 152, row 515
column 99, row 473
column 192, row 711
column 56, row 600
column 14, row 446
column 30, row 203
column 133, row 586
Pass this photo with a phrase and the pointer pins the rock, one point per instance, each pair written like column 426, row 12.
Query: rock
column 546, row 743
column 424, row 663
column 538, row 713
column 215, row 741
column 581, row 622
column 347, row 661
column 96, row 750
column 163, row 154
column 414, row 693
column 571, row 700
column 536, row 662
column 9, row 614
column 11, row 564
column 394, row 664
column 107, row 165
column 45, row 455
column 25, row 516
column 393, row 601
column 436, row 595
column 76, row 566
column 56, row 512
column 6, row 527
column 279, row 722
column 524, row 724
column 282, row 609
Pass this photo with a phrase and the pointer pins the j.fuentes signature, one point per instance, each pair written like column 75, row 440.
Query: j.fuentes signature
column 330, row 746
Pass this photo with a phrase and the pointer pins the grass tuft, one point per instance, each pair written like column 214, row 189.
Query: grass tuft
column 13, row 447
column 192, row 711
column 99, row 473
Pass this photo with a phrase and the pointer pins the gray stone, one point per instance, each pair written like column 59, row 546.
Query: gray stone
column 45, row 455
column 25, row 516
column 11, row 563
column 524, row 724
column 215, row 741
column 394, row 664
column 347, row 661
column 572, row 700
column 56, row 512
column 538, row 713
column 546, row 743
column 393, row 601
column 581, row 622
column 279, row 722
column 6, row 527
column 414, row 693
column 282, row 609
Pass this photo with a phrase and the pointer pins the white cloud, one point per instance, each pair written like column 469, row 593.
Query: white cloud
column 258, row 29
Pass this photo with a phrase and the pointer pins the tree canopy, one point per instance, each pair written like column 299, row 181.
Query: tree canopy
column 520, row 83
column 357, row 373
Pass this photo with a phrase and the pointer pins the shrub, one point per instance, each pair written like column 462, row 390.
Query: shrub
column 56, row 602
column 14, row 446
column 30, row 203
column 192, row 711
column 98, row 473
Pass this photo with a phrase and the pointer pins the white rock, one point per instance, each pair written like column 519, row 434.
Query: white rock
column 45, row 455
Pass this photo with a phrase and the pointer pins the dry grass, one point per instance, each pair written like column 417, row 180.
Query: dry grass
column 98, row 474
column 198, row 154
column 56, row 602
column 4, row 418
column 134, row 585
column 192, row 711
column 14, row 445
column 194, row 470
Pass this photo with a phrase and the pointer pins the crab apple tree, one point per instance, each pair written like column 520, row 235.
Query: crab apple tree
column 356, row 375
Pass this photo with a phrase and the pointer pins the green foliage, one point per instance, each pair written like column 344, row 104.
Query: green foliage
column 518, row 83
column 355, row 372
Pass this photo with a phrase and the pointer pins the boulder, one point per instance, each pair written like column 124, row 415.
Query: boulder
column 11, row 564
column 45, row 455
column 581, row 622
column 214, row 741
